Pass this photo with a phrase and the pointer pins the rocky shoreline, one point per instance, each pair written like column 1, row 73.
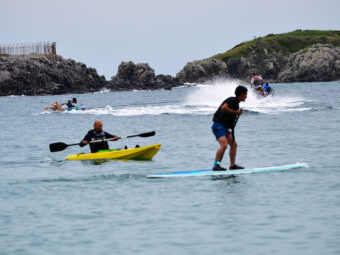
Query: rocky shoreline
column 43, row 75
column 320, row 62
column 46, row 75
column 54, row 75
column 132, row 76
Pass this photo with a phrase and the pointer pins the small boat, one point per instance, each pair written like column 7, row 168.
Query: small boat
column 146, row 153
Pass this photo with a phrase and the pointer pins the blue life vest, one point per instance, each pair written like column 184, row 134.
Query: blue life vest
column 266, row 86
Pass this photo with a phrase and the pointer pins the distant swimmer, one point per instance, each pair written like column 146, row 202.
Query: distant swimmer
column 55, row 106
column 97, row 134
column 225, row 119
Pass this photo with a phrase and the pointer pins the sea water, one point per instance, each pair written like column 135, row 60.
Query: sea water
column 52, row 206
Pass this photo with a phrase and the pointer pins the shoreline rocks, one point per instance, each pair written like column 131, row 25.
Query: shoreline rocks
column 133, row 76
column 33, row 75
column 202, row 70
column 41, row 75
column 46, row 75
column 319, row 62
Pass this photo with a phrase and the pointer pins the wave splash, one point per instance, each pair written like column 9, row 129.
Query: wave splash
column 204, row 99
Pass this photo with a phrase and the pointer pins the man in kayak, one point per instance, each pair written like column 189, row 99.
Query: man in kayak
column 256, row 83
column 225, row 119
column 97, row 133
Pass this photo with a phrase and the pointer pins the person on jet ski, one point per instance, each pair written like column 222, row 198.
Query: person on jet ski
column 266, row 87
column 256, row 83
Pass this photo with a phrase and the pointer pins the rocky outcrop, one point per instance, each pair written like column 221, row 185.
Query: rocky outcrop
column 203, row 70
column 321, row 62
column 46, row 75
column 259, row 60
column 56, row 75
column 133, row 76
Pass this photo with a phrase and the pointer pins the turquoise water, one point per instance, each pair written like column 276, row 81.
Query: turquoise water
column 52, row 206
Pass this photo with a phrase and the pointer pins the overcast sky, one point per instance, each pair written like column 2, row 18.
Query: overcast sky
column 165, row 34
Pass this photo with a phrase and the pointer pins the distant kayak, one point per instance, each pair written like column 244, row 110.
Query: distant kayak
column 146, row 153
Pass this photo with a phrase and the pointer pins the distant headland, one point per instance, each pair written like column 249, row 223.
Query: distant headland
column 299, row 56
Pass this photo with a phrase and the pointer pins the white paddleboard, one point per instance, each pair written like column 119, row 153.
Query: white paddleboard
column 209, row 172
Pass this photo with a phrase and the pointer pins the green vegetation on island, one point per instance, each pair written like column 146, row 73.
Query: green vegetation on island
column 286, row 43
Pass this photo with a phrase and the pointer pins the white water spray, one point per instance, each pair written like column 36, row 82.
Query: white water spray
column 204, row 99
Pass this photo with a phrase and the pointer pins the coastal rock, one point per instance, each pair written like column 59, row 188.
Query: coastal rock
column 202, row 70
column 320, row 62
column 140, row 76
column 259, row 60
column 28, row 75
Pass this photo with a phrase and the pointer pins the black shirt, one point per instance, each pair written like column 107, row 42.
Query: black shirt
column 226, row 118
column 93, row 135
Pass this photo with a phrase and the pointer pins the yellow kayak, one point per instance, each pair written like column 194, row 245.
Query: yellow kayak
column 146, row 152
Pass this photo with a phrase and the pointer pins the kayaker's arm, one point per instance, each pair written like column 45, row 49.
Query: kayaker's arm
column 115, row 138
column 86, row 139
column 226, row 108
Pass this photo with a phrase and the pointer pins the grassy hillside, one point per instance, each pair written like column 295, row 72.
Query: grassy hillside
column 285, row 43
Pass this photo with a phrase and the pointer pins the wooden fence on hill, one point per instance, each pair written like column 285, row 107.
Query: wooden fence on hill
column 35, row 49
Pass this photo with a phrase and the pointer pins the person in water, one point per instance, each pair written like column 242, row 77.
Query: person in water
column 55, row 106
column 97, row 133
column 225, row 119
column 256, row 83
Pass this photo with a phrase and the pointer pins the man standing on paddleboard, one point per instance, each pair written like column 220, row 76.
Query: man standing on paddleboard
column 225, row 119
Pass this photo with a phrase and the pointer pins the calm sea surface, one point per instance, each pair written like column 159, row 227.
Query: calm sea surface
column 52, row 206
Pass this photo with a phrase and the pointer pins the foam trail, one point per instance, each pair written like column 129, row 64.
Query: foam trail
column 204, row 99
column 212, row 95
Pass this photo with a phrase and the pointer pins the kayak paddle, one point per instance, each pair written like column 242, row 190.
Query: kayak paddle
column 152, row 133
column 54, row 147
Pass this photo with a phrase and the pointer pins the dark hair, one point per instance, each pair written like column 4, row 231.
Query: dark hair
column 74, row 100
column 253, row 73
column 69, row 104
column 240, row 90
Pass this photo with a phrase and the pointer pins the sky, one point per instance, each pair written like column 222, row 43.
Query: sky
column 164, row 33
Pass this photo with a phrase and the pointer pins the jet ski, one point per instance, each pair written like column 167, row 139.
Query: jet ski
column 269, row 91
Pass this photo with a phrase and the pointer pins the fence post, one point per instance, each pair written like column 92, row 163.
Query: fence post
column 54, row 49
